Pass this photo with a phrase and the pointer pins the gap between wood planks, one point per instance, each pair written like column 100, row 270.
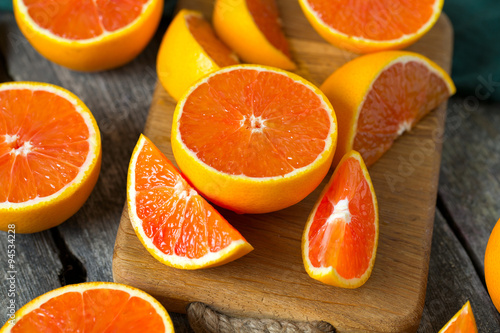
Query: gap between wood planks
column 476, row 262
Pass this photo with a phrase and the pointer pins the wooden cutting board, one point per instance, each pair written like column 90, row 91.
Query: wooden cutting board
column 271, row 282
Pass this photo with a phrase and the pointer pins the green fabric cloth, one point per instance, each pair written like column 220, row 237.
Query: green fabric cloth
column 476, row 56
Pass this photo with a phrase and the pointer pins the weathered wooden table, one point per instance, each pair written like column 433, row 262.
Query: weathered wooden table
column 81, row 249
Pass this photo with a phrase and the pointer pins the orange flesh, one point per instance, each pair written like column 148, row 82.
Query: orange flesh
column 95, row 310
column 374, row 19
column 265, row 14
column 213, row 46
column 175, row 218
column 254, row 123
column 402, row 94
column 83, row 19
column 465, row 322
column 346, row 246
column 43, row 144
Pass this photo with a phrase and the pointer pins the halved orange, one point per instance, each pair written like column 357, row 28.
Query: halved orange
column 189, row 50
column 372, row 25
column 462, row 321
column 379, row 96
column 254, row 139
column 175, row 224
column 88, row 35
column 252, row 28
column 50, row 155
column 91, row 307
column 340, row 239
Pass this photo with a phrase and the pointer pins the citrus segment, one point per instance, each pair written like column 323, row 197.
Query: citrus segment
column 92, row 307
column 379, row 96
column 374, row 25
column 492, row 265
column 252, row 29
column 462, row 321
column 50, row 155
column 254, row 139
column 175, row 224
column 189, row 50
column 88, row 35
column 340, row 239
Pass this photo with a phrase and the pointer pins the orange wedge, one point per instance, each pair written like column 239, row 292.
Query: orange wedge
column 50, row 155
column 463, row 321
column 379, row 96
column 175, row 224
column 189, row 50
column 339, row 243
column 92, row 307
column 88, row 35
column 372, row 25
column 252, row 29
column 254, row 139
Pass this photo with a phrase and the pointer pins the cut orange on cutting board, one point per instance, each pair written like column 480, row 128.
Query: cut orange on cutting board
column 379, row 96
column 88, row 35
column 462, row 322
column 254, row 139
column 50, row 155
column 339, row 243
column 189, row 50
column 91, row 307
column 492, row 265
column 175, row 224
column 372, row 25
column 253, row 30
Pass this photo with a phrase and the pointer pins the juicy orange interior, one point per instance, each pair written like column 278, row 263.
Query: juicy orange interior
column 265, row 14
column 204, row 34
column 374, row 19
column 176, row 219
column 95, row 310
column 83, row 19
column 464, row 322
column 43, row 144
column 254, row 123
column 334, row 242
column 400, row 97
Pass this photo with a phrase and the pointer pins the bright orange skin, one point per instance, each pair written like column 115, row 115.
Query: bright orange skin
column 102, row 52
column 492, row 265
column 354, row 88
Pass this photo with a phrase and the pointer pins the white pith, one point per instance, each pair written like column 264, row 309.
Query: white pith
column 254, row 120
column 431, row 21
column 81, row 288
column 24, row 12
column 92, row 140
column 210, row 257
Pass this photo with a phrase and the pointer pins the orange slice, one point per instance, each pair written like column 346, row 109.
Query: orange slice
column 254, row 139
column 492, row 265
column 372, row 25
column 88, row 35
column 189, row 50
column 339, row 243
column 175, row 224
column 91, row 307
column 252, row 29
column 50, row 155
column 462, row 321
column 379, row 96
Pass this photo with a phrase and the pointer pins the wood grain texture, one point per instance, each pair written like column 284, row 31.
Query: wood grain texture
column 271, row 282
column 453, row 281
column 470, row 183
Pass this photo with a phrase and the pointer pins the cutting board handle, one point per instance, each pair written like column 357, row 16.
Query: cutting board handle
column 204, row 319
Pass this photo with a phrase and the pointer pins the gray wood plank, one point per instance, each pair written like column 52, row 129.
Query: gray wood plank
column 469, row 180
column 452, row 280
column 34, row 272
